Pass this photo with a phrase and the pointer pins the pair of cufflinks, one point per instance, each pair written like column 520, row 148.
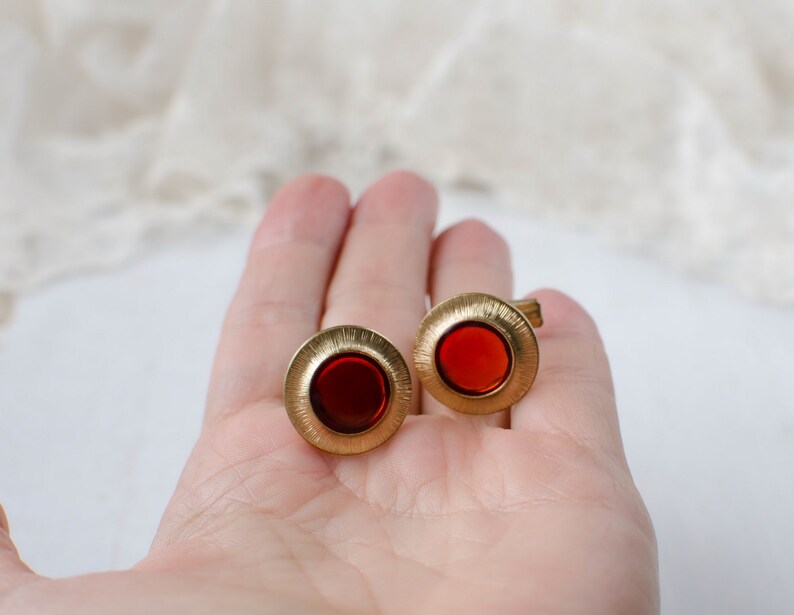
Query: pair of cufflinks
column 348, row 389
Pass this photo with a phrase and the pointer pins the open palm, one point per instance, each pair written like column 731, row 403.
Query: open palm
column 532, row 510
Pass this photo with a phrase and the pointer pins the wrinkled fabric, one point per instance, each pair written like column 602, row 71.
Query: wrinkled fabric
column 664, row 127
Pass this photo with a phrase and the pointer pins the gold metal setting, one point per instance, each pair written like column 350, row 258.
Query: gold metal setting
column 309, row 357
column 513, row 320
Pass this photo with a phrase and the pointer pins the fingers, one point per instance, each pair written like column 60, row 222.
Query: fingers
column 280, row 297
column 469, row 257
column 381, row 277
column 572, row 394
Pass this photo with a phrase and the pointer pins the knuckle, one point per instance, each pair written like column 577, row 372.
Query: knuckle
column 269, row 313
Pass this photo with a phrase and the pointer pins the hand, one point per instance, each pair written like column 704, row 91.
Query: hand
column 532, row 510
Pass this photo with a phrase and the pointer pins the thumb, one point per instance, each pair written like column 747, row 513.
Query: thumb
column 13, row 571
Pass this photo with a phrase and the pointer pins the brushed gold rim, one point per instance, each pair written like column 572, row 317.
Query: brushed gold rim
column 505, row 318
column 309, row 357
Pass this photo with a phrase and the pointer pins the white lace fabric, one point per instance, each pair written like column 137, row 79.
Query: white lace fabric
column 666, row 127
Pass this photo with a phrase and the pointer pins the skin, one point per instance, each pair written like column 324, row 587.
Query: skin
column 532, row 510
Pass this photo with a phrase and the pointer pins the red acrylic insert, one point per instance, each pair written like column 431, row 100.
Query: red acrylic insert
column 473, row 358
column 349, row 392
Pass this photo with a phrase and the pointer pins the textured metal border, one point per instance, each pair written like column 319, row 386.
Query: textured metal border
column 309, row 357
column 505, row 318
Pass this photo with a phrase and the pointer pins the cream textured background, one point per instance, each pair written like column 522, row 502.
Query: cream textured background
column 665, row 126
column 151, row 132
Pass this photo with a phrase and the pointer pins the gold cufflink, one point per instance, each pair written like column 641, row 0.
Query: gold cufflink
column 478, row 354
column 347, row 390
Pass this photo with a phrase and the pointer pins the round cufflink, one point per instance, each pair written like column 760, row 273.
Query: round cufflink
column 347, row 390
column 478, row 354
